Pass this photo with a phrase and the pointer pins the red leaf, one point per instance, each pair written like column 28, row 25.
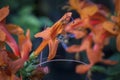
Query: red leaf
column 10, row 41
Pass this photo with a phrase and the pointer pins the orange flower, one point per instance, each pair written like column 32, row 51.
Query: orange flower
column 6, row 36
column 8, row 67
column 25, row 46
column 83, row 7
column 49, row 36
column 25, row 43
column 4, row 13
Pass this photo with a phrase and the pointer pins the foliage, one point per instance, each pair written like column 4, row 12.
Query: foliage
column 26, row 18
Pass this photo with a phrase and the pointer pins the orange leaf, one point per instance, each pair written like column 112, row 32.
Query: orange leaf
column 111, row 27
column 26, row 46
column 2, row 36
column 82, row 69
column 42, row 45
column 52, row 48
column 4, row 12
column 88, row 11
column 75, row 4
column 44, row 34
column 10, row 40
column 21, row 39
column 14, row 29
column 84, row 8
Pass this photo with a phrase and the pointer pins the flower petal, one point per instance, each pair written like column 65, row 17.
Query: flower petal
column 52, row 48
column 21, row 39
column 42, row 45
column 82, row 69
column 2, row 35
column 111, row 27
column 10, row 41
column 44, row 34
column 74, row 4
column 14, row 29
column 52, row 32
column 26, row 46
column 4, row 12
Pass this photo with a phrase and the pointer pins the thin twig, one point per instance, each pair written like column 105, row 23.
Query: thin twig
column 56, row 60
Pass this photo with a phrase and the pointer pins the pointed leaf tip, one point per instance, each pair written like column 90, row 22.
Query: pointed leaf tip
column 4, row 12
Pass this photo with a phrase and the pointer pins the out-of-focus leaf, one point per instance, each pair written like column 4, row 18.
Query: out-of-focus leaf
column 2, row 35
column 4, row 12
column 110, row 27
column 98, row 69
column 30, row 68
column 52, row 48
column 9, row 67
column 43, row 34
column 14, row 29
column 26, row 46
column 74, row 4
column 10, row 40
column 82, row 69
column 112, row 71
column 27, row 20
column 89, row 10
